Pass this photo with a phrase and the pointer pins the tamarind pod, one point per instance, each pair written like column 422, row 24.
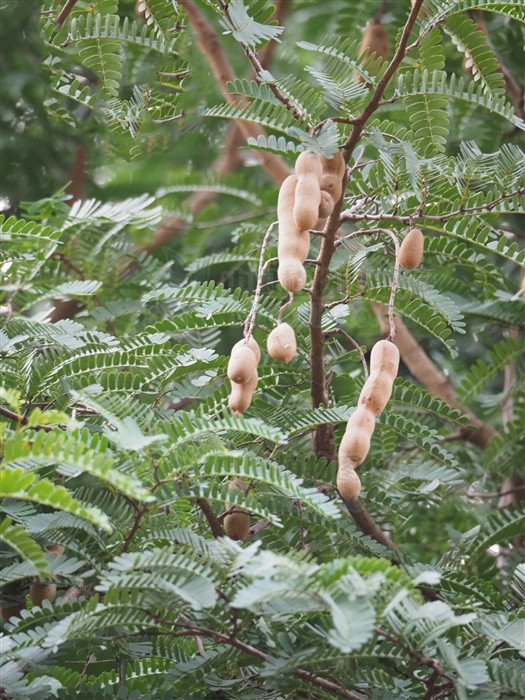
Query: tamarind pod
column 42, row 591
column 376, row 392
column 252, row 344
column 291, row 274
column 411, row 249
column 327, row 203
column 281, row 343
column 57, row 549
column 348, row 483
column 354, row 446
column 140, row 9
column 241, row 394
column 384, row 359
column 308, row 191
column 237, row 523
column 294, row 244
column 332, row 178
column 11, row 611
column 375, row 40
column 242, row 365
column 362, row 419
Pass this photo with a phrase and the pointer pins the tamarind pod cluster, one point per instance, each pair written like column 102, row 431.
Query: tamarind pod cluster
column 411, row 249
column 375, row 40
column 308, row 190
column 294, row 242
column 242, row 373
column 376, row 392
column 281, row 343
column 237, row 523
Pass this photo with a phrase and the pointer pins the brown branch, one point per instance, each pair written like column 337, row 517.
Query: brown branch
column 213, row 520
column 425, row 371
column 211, row 47
column 65, row 12
column 136, row 524
column 22, row 420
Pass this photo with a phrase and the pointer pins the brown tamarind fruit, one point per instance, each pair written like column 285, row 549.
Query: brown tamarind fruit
column 11, row 611
column 293, row 242
column 332, row 178
column 384, row 358
column 348, row 483
column 354, row 446
column 252, row 344
column 140, row 9
column 241, row 394
column 411, row 249
column 42, row 591
column 375, row 40
column 362, row 419
column 57, row 549
column 291, row 274
column 281, row 343
column 308, row 191
column 237, row 523
column 326, row 206
column 242, row 364
column 376, row 392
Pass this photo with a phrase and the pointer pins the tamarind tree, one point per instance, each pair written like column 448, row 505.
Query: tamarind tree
column 127, row 283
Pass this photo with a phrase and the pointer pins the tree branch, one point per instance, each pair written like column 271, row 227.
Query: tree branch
column 213, row 520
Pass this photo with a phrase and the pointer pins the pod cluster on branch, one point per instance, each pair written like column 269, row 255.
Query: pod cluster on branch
column 237, row 523
column 242, row 373
column 305, row 199
column 376, row 392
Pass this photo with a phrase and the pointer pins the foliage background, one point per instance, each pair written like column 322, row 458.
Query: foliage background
column 123, row 293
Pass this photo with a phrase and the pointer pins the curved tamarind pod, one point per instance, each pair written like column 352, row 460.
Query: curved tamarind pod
column 354, row 447
column 281, row 343
column 376, row 392
column 348, row 483
column 252, row 345
column 375, row 40
column 42, row 591
column 411, row 249
column 362, row 419
column 294, row 245
column 384, row 358
column 242, row 365
column 237, row 524
column 308, row 191
column 332, row 178
column 291, row 274
column 326, row 206
column 241, row 394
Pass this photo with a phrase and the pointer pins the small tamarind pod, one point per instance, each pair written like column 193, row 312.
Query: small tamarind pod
column 354, row 446
column 308, row 191
column 252, row 344
column 242, row 364
column 332, row 178
column 291, row 274
column 241, row 394
column 348, row 483
column 326, row 206
column 375, row 40
column 411, row 249
column 281, row 343
column 42, row 591
column 57, row 549
column 237, row 524
column 384, row 358
column 376, row 392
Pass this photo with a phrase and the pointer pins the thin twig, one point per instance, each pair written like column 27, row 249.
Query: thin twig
column 64, row 12
column 250, row 319
column 341, row 331
column 213, row 520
